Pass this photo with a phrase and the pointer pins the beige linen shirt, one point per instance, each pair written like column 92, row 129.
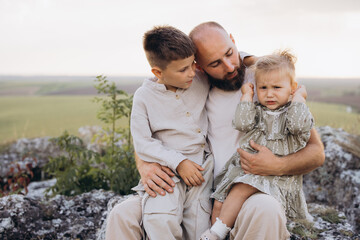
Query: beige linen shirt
column 169, row 127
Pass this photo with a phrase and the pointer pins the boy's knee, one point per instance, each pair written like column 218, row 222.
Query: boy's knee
column 166, row 222
column 129, row 209
column 124, row 220
column 163, row 226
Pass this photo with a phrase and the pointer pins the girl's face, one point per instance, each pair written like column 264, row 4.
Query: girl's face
column 274, row 89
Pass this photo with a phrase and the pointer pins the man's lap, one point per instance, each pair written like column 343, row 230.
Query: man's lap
column 260, row 207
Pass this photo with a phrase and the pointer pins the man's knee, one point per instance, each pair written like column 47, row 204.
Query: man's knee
column 261, row 217
column 264, row 206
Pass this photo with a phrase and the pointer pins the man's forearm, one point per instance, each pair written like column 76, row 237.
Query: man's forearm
column 305, row 160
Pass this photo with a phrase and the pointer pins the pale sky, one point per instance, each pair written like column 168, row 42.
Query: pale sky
column 92, row 37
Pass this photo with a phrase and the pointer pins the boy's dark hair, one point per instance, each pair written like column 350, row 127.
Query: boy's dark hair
column 164, row 44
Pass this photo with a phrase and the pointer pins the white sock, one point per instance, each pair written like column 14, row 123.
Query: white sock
column 220, row 228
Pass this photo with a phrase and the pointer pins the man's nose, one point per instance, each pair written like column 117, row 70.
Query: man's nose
column 229, row 67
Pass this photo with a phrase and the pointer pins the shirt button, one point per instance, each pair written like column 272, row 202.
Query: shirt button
column 177, row 96
column 202, row 145
column 187, row 114
column 198, row 130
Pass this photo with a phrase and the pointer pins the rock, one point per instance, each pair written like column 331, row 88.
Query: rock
column 35, row 151
column 328, row 223
column 93, row 137
column 61, row 217
column 37, row 190
column 337, row 182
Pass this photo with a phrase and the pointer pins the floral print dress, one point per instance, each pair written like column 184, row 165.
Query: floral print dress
column 284, row 131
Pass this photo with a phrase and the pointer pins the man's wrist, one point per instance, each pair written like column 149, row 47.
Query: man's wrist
column 139, row 163
column 281, row 166
column 298, row 98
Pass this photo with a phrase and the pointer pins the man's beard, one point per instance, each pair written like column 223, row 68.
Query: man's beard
column 229, row 84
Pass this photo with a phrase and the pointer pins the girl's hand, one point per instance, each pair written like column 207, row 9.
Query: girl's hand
column 247, row 91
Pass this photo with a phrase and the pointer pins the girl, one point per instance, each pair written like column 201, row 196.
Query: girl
column 281, row 125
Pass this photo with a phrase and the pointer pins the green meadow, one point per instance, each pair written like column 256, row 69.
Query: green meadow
column 336, row 116
column 39, row 116
column 41, row 106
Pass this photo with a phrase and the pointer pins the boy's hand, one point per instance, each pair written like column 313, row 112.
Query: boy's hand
column 247, row 91
column 190, row 173
column 300, row 94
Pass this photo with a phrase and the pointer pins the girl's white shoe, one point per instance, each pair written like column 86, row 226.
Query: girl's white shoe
column 208, row 235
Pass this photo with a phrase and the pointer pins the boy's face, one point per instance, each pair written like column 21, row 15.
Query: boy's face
column 178, row 74
column 273, row 89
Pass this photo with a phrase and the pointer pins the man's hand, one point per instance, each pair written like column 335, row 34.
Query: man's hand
column 263, row 163
column 190, row 173
column 300, row 94
column 155, row 178
column 251, row 60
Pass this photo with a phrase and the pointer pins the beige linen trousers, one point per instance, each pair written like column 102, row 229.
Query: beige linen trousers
column 261, row 216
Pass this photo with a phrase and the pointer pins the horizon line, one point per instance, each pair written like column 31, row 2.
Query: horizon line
column 140, row 75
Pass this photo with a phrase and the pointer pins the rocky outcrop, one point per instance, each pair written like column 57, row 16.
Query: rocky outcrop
column 332, row 193
column 24, row 151
column 337, row 182
column 78, row 217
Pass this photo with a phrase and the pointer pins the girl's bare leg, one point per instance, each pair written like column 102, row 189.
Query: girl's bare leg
column 234, row 201
column 216, row 211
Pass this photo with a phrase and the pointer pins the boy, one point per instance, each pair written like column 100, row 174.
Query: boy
column 169, row 127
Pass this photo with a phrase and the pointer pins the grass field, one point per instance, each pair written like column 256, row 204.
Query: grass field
column 38, row 116
column 336, row 116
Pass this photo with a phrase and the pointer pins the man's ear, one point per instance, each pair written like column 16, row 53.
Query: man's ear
column 198, row 67
column 232, row 38
column 157, row 72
